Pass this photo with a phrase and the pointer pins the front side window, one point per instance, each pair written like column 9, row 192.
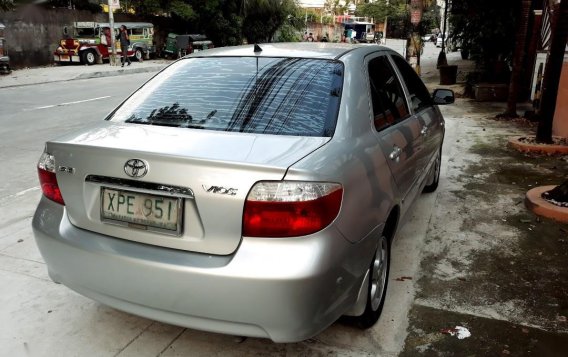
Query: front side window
column 419, row 96
column 83, row 32
column 137, row 31
column 281, row 96
column 389, row 102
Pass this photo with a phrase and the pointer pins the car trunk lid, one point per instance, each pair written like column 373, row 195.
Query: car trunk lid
column 209, row 173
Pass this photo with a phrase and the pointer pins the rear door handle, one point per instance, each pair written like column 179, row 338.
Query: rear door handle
column 395, row 154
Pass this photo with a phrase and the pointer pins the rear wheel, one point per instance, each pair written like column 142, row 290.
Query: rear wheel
column 378, row 280
column 89, row 57
column 138, row 54
column 434, row 174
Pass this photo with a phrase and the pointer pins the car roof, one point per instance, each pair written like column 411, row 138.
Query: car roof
column 320, row 50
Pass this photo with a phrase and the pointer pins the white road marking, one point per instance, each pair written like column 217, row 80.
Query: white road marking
column 70, row 103
column 26, row 191
column 18, row 194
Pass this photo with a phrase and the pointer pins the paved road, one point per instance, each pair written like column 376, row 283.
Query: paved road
column 42, row 318
column 31, row 115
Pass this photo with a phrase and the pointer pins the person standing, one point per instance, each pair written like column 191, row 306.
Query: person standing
column 124, row 43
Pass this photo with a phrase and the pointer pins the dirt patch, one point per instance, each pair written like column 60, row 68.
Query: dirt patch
column 488, row 337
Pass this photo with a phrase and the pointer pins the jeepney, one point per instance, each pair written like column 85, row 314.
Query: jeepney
column 4, row 59
column 181, row 45
column 91, row 42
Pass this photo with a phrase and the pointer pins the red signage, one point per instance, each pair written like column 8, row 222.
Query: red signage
column 415, row 11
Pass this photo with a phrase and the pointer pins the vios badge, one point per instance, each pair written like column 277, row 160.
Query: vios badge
column 135, row 168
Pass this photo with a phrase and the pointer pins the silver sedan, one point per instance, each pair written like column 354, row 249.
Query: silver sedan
column 251, row 190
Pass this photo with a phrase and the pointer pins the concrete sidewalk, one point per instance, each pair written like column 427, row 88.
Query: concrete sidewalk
column 58, row 73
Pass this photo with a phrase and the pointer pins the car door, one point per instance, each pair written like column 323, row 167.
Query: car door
column 429, row 119
column 397, row 129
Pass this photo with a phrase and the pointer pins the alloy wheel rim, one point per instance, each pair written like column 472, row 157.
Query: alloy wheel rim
column 379, row 274
column 90, row 57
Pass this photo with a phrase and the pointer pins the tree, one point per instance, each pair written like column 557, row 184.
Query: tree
column 518, row 57
column 395, row 10
column 336, row 7
column 145, row 7
column 377, row 10
column 559, row 194
column 181, row 9
column 74, row 4
column 485, row 28
column 6, row 5
column 221, row 20
column 264, row 17
column 552, row 72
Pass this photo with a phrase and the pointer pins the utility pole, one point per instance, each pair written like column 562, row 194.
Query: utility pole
column 385, row 27
column 112, row 59
column 442, row 60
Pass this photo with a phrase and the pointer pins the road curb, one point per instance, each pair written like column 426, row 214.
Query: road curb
column 120, row 72
column 91, row 75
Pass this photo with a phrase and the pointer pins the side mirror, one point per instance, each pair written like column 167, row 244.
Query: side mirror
column 443, row 96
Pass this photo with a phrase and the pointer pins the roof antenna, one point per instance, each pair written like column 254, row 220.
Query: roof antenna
column 257, row 48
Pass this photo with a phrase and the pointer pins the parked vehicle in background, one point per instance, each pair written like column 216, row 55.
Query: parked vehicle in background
column 429, row 37
column 357, row 28
column 440, row 41
column 4, row 59
column 251, row 190
column 181, row 45
column 91, row 42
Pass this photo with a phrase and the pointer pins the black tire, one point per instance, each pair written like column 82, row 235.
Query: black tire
column 437, row 165
column 138, row 54
column 89, row 57
column 378, row 282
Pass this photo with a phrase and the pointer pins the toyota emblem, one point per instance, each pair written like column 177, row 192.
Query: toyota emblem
column 135, row 168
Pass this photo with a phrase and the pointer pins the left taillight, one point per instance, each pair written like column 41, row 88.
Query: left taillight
column 47, row 178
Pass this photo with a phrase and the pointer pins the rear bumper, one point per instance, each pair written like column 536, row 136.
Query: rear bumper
column 283, row 289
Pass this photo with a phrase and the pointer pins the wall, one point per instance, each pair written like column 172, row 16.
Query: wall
column 560, row 124
column 319, row 30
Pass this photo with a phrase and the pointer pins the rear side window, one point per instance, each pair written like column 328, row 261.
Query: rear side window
column 389, row 102
column 419, row 96
column 281, row 96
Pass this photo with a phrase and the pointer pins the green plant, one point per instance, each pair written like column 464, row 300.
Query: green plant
column 485, row 28
column 288, row 33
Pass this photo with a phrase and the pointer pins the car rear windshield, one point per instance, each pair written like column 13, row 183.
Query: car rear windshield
column 281, row 96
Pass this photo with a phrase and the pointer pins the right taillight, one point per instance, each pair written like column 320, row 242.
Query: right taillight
column 290, row 208
column 47, row 178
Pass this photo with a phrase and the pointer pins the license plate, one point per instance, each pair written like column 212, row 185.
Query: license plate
column 64, row 58
column 141, row 210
